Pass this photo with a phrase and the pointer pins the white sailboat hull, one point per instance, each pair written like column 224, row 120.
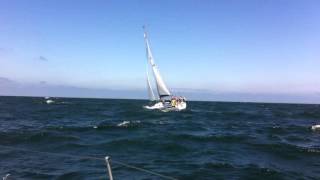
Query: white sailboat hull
column 181, row 106
column 167, row 107
column 158, row 105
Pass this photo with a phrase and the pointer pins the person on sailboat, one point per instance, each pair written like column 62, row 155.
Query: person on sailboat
column 173, row 102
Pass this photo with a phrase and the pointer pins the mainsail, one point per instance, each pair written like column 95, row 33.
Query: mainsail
column 161, row 86
column 150, row 91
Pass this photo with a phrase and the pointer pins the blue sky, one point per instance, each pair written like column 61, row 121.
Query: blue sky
column 250, row 46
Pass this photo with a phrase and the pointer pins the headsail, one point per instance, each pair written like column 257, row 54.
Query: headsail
column 161, row 86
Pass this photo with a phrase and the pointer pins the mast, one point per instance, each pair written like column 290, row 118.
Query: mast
column 161, row 86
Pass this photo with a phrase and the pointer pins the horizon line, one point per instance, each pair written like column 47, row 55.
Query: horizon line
column 145, row 99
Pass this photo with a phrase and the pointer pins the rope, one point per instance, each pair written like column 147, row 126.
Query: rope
column 92, row 158
column 143, row 170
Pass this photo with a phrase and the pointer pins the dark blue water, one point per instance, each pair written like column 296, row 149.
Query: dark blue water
column 210, row 140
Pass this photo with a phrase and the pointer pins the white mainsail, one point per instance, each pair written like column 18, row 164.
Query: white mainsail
column 150, row 91
column 161, row 86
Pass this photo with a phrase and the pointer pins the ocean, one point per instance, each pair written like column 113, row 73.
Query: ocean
column 210, row 140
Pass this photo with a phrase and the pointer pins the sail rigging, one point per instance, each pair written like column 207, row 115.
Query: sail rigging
column 161, row 86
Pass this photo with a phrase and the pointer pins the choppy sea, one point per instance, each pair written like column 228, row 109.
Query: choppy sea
column 210, row 140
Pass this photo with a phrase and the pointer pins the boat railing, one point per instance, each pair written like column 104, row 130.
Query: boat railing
column 107, row 158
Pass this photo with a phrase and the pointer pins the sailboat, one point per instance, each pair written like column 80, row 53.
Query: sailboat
column 48, row 100
column 163, row 99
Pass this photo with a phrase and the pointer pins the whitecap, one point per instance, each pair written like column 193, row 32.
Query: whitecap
column 49, row 101
column 316, row 127
column 124, row 123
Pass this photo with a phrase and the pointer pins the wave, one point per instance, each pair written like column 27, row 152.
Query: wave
column 285, row 150
column 70, row 175
column 31, row 137
column 210, row 138
column 101, row 126
column 44, row 136
column 305, row 114
column 144, row 144
column 219, row 170
column 286, row 129
column 127, row 123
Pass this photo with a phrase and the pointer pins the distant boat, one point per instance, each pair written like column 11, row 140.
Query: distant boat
column 49, row 101
column 163, row 99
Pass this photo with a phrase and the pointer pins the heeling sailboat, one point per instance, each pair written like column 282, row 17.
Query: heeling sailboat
column 164, row 100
